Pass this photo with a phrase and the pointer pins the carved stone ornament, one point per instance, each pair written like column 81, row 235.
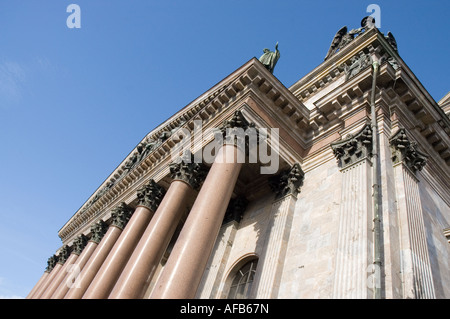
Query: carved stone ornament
column 150, row 195
column 51, row 262
column 121, row 215
column 188, row 171
column 79, row 243
column 287, row 182
column 98, row 230
column 235, row 209
column 344, row 37
column 357, row 64
column 233, row 128
column 403, row 150
column 354, row 147
column 63, row 254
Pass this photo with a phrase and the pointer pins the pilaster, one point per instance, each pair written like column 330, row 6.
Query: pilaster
column 416, row 267
column 355, row 244
column 286, row 186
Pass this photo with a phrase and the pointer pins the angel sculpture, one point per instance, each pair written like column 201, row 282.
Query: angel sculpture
column 342, row 37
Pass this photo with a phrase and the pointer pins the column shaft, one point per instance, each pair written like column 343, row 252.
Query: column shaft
column 38, row 284
column 48, row 281
column 75, row 270
column 59, row 277
column 109, row 272
column 137, row 274
column 94, row 263
column 184, row 269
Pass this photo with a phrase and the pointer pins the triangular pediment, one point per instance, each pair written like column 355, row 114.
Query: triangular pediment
column 251, row 88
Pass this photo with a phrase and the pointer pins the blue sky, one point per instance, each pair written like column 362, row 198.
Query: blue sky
column 75, row 102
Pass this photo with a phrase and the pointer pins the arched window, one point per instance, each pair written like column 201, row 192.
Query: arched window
column 243, row 280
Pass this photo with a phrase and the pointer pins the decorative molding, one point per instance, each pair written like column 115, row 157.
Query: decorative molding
column 79, row 244
column 357, row 64
column 150, row 195
column 51, row 263
column 121, row 215
column 288, row 182
column 188, row 171
column 405, row 151
column 354, row 148
column 98, row 230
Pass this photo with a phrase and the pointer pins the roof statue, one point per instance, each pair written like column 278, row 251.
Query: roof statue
column 344, row 37
column 269, row 58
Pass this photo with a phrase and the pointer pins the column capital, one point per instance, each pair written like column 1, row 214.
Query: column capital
column 150, row 195
column 79, row 243
column 288, row 182
column 98, row 230
column 235, row 209
column 120, row 215
column 188, row 171
column 404, row 150
column 51, row 262
column 232, row 128
column 354, row 147
column 63, row 254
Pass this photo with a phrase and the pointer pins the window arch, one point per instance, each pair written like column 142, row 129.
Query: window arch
column 241, row 283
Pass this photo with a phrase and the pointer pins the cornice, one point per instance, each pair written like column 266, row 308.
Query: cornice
column 252, row 76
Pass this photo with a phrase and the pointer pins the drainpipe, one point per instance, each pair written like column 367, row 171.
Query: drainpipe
column 376, row 189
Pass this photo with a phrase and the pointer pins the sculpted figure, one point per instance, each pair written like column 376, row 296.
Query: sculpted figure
column 269, row 58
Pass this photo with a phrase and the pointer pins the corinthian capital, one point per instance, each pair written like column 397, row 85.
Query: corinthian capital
column 63, row 254
column 188, row 171
column 403, row 150
column 98, row 230
column 150, row 195
column 354, row 148
column 288, row 181
column 51, row 262
column 121, row 215
column 238, row 130
column 79, row 244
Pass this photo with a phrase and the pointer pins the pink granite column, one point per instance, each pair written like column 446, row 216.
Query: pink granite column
column 187, row 261
column 150, row 196
column 49, row 280
column 38, row 284
column 94, row 263
column 71, row 279
column 37, row 289
column 77, row 248
column 139, row 270
column 64, row 260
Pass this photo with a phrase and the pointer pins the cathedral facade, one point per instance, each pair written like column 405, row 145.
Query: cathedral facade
column 336, row 187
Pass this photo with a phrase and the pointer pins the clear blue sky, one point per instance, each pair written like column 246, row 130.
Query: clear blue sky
column 75, row 102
